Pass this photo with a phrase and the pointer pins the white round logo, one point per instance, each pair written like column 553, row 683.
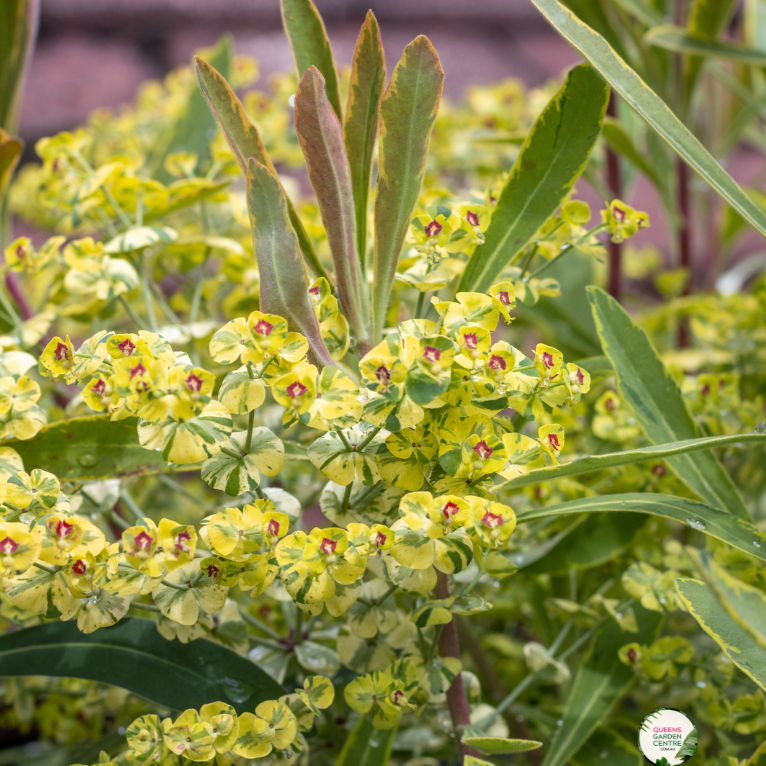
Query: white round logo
column 667, row 737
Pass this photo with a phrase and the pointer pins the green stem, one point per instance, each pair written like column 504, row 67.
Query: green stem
column 181, row 490
column 343, row 439
column 385, row 595
column 145, row 607
column 232, row 453
column 298, row 626
column 258, row 624
column 346, row 497
column 368, row 493
column 567, row 248
column 131, row 313
column 368, row 439
column 131, row 504
column 46, row 567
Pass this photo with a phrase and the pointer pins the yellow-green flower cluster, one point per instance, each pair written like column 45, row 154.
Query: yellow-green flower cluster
column 217, row 730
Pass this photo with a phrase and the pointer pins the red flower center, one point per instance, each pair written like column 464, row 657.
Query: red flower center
column 212, row 570
column 8, row 546
column 503, row 297
column 327, row 546
column 431, row 354
column 61, row 351
column 273, row 527
column 449, row 510
column 705, row 390
column 380, row 539
column 79, row 567
column 547, row 359
column 396, row 697
column 383, row 374
column 296, row 389
column 262, row 327
column 182, row 538
column 492, row 519
column 580, row 376
column 609, row 404
column 618, row 213
column 143, row 541
column 497, row 362
column 483, row 450
column 553, row 440
column 433, row 228
column 99, row 387
column 64, row 529
column 127, row 347
column 472, row 218
column 194, row 382
column 471, row 341
column 139, row 370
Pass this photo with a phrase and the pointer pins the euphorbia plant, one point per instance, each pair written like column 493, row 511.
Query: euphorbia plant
column 231, row 402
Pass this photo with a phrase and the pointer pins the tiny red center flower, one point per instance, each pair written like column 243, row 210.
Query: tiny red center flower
column 383, row 374
column 504, row 298
column 194, row 382
column 580, row 376
column 143, row 540
column 618, row 213
column 471, row 341
column 449, row 510
column 553, row 440
column 327, row 546
column 262, row 327
column 659, row 470
column 64, row 529
column 705, row 390
column 497, row 362
column 314, row 291
column 472, row 218
column 483, row 450
column 379, row 539
column 396, row 697
column 61, row 351
column 431, row 354
column 20, row 253
column 127, row 347
column 547, row 359
column 632, row 655
column 181, row 541
column 492, row 519
column 212, row 570
column 9, row 545
column 79, row 567
column 273, row 527
column 296, row 389
column 609, row 404
column 139, row 370
column 433, row 228
column 99, row 387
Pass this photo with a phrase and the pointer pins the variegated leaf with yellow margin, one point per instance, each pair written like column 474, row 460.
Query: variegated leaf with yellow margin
column 377, row 506
column 184, row 605
column 190, row 441
column 237, row 475
column 101, row 610
column 330, row 455
column 240, row 393
column 738, row 643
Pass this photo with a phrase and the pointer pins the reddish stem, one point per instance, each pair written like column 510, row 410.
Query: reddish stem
column 684, row 239
column 614, row 181
column 457, row 699
column 15, row 291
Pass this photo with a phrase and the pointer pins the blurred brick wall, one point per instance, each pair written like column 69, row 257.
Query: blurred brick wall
column 94, row 53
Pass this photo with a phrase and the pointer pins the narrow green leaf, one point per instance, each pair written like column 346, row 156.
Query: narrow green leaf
column 738, row 644
column 643, row 12
column 367, row 746
column 635, row 91
column 284, row 284
column 311, row 46
column 407, row 113
column 321, row 138
column 744, row 603
column 550, row 161
column 628, row 457
column 589, row 542
column 195, row 126
column 653, row 395
column 601, row 680
column 134, row 656
column 677, row 39
column 723, row 526
column 245, row 141
column 501, row 745
column 368, row 78
column 18, row 28
column 607, row 746
column 91, row 448
column 618, row 139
